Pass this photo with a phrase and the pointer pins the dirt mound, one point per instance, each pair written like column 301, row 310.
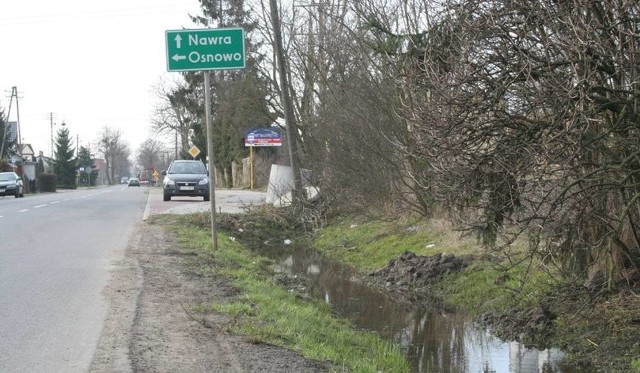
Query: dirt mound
column 532, row 326
column 410, row 272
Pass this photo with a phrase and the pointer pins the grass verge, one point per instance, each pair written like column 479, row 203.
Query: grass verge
column 267, row 313
column 599, row 331
column 370, row 244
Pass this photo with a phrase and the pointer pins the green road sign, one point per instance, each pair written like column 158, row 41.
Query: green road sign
column 205, row 49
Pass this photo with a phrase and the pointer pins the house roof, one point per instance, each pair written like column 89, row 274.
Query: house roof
column 26, row 149
column 98, row 164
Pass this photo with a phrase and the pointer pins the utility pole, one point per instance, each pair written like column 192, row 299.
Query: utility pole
column 51, row 137
column 14, row 91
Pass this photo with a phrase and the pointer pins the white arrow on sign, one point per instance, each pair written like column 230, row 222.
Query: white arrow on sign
column 178, row 57
column 178, row 40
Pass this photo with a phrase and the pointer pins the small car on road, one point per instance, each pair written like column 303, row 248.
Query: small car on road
column 134, row 181
column 11, row 184
column 186, row 178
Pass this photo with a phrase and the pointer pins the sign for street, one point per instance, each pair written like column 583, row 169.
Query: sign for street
column 194, row 151
column 262, row 137
column 205, row 49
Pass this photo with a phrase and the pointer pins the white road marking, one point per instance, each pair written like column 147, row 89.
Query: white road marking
column 64, row 200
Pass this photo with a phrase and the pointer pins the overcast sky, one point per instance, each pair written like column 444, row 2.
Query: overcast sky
column 90, row 63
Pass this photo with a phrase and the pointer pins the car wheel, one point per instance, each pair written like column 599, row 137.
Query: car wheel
column 17, row 194
column 206, row 197
column 166, row 197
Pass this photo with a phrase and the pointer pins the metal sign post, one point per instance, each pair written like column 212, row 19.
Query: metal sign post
column 205, row 50
column 212, row 170
column 251, row 165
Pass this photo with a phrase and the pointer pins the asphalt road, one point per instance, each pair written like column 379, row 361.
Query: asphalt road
column 55, row 254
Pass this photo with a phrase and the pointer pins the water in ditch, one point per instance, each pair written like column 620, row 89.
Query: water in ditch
column 432, row 341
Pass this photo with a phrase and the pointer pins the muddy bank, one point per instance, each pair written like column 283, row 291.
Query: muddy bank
column 598, row 329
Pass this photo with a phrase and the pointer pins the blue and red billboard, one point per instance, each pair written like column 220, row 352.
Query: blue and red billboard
column 262, row 137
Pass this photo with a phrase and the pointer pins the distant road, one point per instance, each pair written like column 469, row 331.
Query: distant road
column 56, row 251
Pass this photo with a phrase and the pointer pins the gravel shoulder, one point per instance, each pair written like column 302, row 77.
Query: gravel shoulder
column 150, row 326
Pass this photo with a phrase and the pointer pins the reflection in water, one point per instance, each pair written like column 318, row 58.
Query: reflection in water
column 433, row 341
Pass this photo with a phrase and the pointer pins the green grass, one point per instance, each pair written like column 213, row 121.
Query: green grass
column 483, row 286
column 371, row 244
column 267, row 313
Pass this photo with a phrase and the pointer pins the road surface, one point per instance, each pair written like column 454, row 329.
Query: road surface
column 55, row 254
column 59, row 253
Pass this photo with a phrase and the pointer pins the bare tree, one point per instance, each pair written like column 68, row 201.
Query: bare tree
column 342, row 105
column 518, row 118
column 524, row 119
column 151, row 155
column 116, row 154
column 176, row 112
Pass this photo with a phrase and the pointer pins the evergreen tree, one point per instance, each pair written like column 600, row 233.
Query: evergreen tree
column 239, row 98
column 39, row 167
column 241, row 108
column 64, row 165
column 85, row 161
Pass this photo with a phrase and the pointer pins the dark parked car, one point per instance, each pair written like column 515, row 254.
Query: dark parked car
column 11, row 184
column 134, row 181
column 186, row 178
